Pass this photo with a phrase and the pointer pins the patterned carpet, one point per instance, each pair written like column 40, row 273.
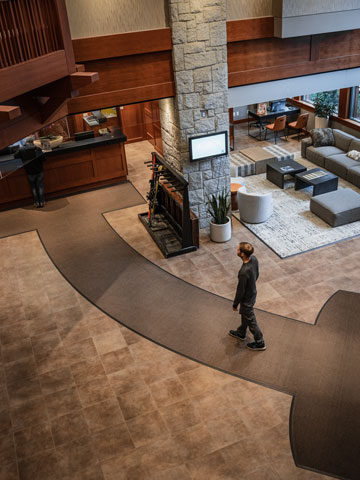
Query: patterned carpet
column 293, row 228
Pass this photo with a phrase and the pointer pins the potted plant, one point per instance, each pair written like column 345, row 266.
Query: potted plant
column 324, row 107
column 220, row 224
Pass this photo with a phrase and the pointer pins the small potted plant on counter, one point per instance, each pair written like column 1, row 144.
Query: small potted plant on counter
column 220, row 224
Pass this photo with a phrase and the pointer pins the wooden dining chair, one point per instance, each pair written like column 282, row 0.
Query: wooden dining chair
column 277, row 126
column 300, row 124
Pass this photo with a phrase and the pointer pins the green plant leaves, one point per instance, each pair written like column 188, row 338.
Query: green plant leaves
column 219, row 206
column 324, row 105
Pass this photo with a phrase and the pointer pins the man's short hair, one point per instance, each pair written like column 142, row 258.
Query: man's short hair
column 246, row 248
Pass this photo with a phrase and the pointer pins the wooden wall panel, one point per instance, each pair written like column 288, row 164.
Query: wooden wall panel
column 267, row 53
column 132, row 119
column 132, row 43
column 18, row 186
column 251, row 28
column 133, row 67
column 34, row 73
column 129, row 72
column 339, row 44
column 121, row 97
column 68, row 173
column 266, row 59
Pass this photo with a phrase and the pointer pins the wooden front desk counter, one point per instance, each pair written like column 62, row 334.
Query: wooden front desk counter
column 71, row 167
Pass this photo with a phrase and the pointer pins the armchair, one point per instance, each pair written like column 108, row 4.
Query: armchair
column 254, row 207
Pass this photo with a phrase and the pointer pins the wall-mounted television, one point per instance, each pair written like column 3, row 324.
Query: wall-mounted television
column 207, row 146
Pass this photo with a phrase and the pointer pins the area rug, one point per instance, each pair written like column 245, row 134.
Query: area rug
column 293, row 228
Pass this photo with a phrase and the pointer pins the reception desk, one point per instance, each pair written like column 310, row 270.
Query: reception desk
column 69, row 168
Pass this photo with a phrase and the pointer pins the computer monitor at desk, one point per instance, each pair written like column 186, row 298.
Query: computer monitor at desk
column 84, row 135
column 277, row 105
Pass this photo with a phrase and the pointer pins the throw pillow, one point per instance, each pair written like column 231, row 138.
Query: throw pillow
column 354, row 155
column 322, row 137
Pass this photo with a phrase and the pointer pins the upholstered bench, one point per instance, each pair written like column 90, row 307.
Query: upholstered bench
column 337, row 208
column 241, row 165
column 262, row 155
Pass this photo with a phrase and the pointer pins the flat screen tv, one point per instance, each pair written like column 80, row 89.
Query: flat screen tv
column 207, row 146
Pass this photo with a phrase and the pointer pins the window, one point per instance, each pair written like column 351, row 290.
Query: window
column 309, row 98
column 355, row 104
column 332, row 94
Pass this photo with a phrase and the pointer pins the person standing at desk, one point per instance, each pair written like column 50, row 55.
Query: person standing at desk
column 33, row 158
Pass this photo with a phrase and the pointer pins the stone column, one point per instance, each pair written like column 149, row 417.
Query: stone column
column 201, row 102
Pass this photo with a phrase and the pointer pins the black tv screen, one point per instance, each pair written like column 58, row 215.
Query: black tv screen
column 84, row 135
column 207, row 146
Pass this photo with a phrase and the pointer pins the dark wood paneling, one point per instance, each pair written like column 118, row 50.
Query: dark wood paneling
column 132, row 120
column 122, row 44
column 250, row 28
column 69, row 173
column 339, row 44
column 121, row 97
column 254, row 61
column 344, row 102
column 80, row 173
column 28, row 30
column 267, row 53
column 18, row 186
column 133, row 67
column 28, row 122
column 65, row 34
column 29, row 75
column 129, row 72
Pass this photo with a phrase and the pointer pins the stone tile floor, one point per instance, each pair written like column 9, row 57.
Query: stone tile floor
column 82, row 397
column 296, row 287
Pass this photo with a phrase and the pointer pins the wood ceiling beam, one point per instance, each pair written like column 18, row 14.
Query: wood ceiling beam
column 80, row 79
column 9, row 112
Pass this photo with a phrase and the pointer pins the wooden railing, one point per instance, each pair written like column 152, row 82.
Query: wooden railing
column 28, row 29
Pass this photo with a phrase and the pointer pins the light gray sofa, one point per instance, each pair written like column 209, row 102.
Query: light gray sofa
column 333, row 158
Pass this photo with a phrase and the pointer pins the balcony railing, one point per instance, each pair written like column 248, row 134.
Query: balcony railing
column 28, row 29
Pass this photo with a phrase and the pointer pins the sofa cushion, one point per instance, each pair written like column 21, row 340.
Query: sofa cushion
column 353, row 154
column 339, row 164
column 318, row 155
column 353, row 175
column 355, row 144
column 322, row 137
column 342, row 139
column 337, row 208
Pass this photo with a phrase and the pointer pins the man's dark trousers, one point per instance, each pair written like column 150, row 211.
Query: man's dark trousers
column 248, row 319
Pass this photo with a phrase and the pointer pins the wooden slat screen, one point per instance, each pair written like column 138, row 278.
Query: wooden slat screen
column 28, row 29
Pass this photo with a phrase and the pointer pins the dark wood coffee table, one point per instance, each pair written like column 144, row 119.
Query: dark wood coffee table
column 277, row 169
column 322, row 181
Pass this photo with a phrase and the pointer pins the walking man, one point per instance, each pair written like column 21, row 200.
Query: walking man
column 246, row 297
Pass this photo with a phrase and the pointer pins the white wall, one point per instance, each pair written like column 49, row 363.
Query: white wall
column 292, row 87
column 90, row 18
column 293, row 8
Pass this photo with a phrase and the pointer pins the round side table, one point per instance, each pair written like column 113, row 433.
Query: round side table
column 234, row 188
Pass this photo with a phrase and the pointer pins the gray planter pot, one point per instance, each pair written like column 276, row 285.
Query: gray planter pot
column 220, row 233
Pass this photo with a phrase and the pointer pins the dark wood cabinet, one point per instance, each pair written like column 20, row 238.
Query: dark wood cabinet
column 99, row 164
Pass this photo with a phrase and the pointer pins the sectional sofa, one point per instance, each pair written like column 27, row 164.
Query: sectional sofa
column 334, row 157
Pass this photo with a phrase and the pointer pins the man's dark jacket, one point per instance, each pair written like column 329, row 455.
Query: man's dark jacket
column 246, row 289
